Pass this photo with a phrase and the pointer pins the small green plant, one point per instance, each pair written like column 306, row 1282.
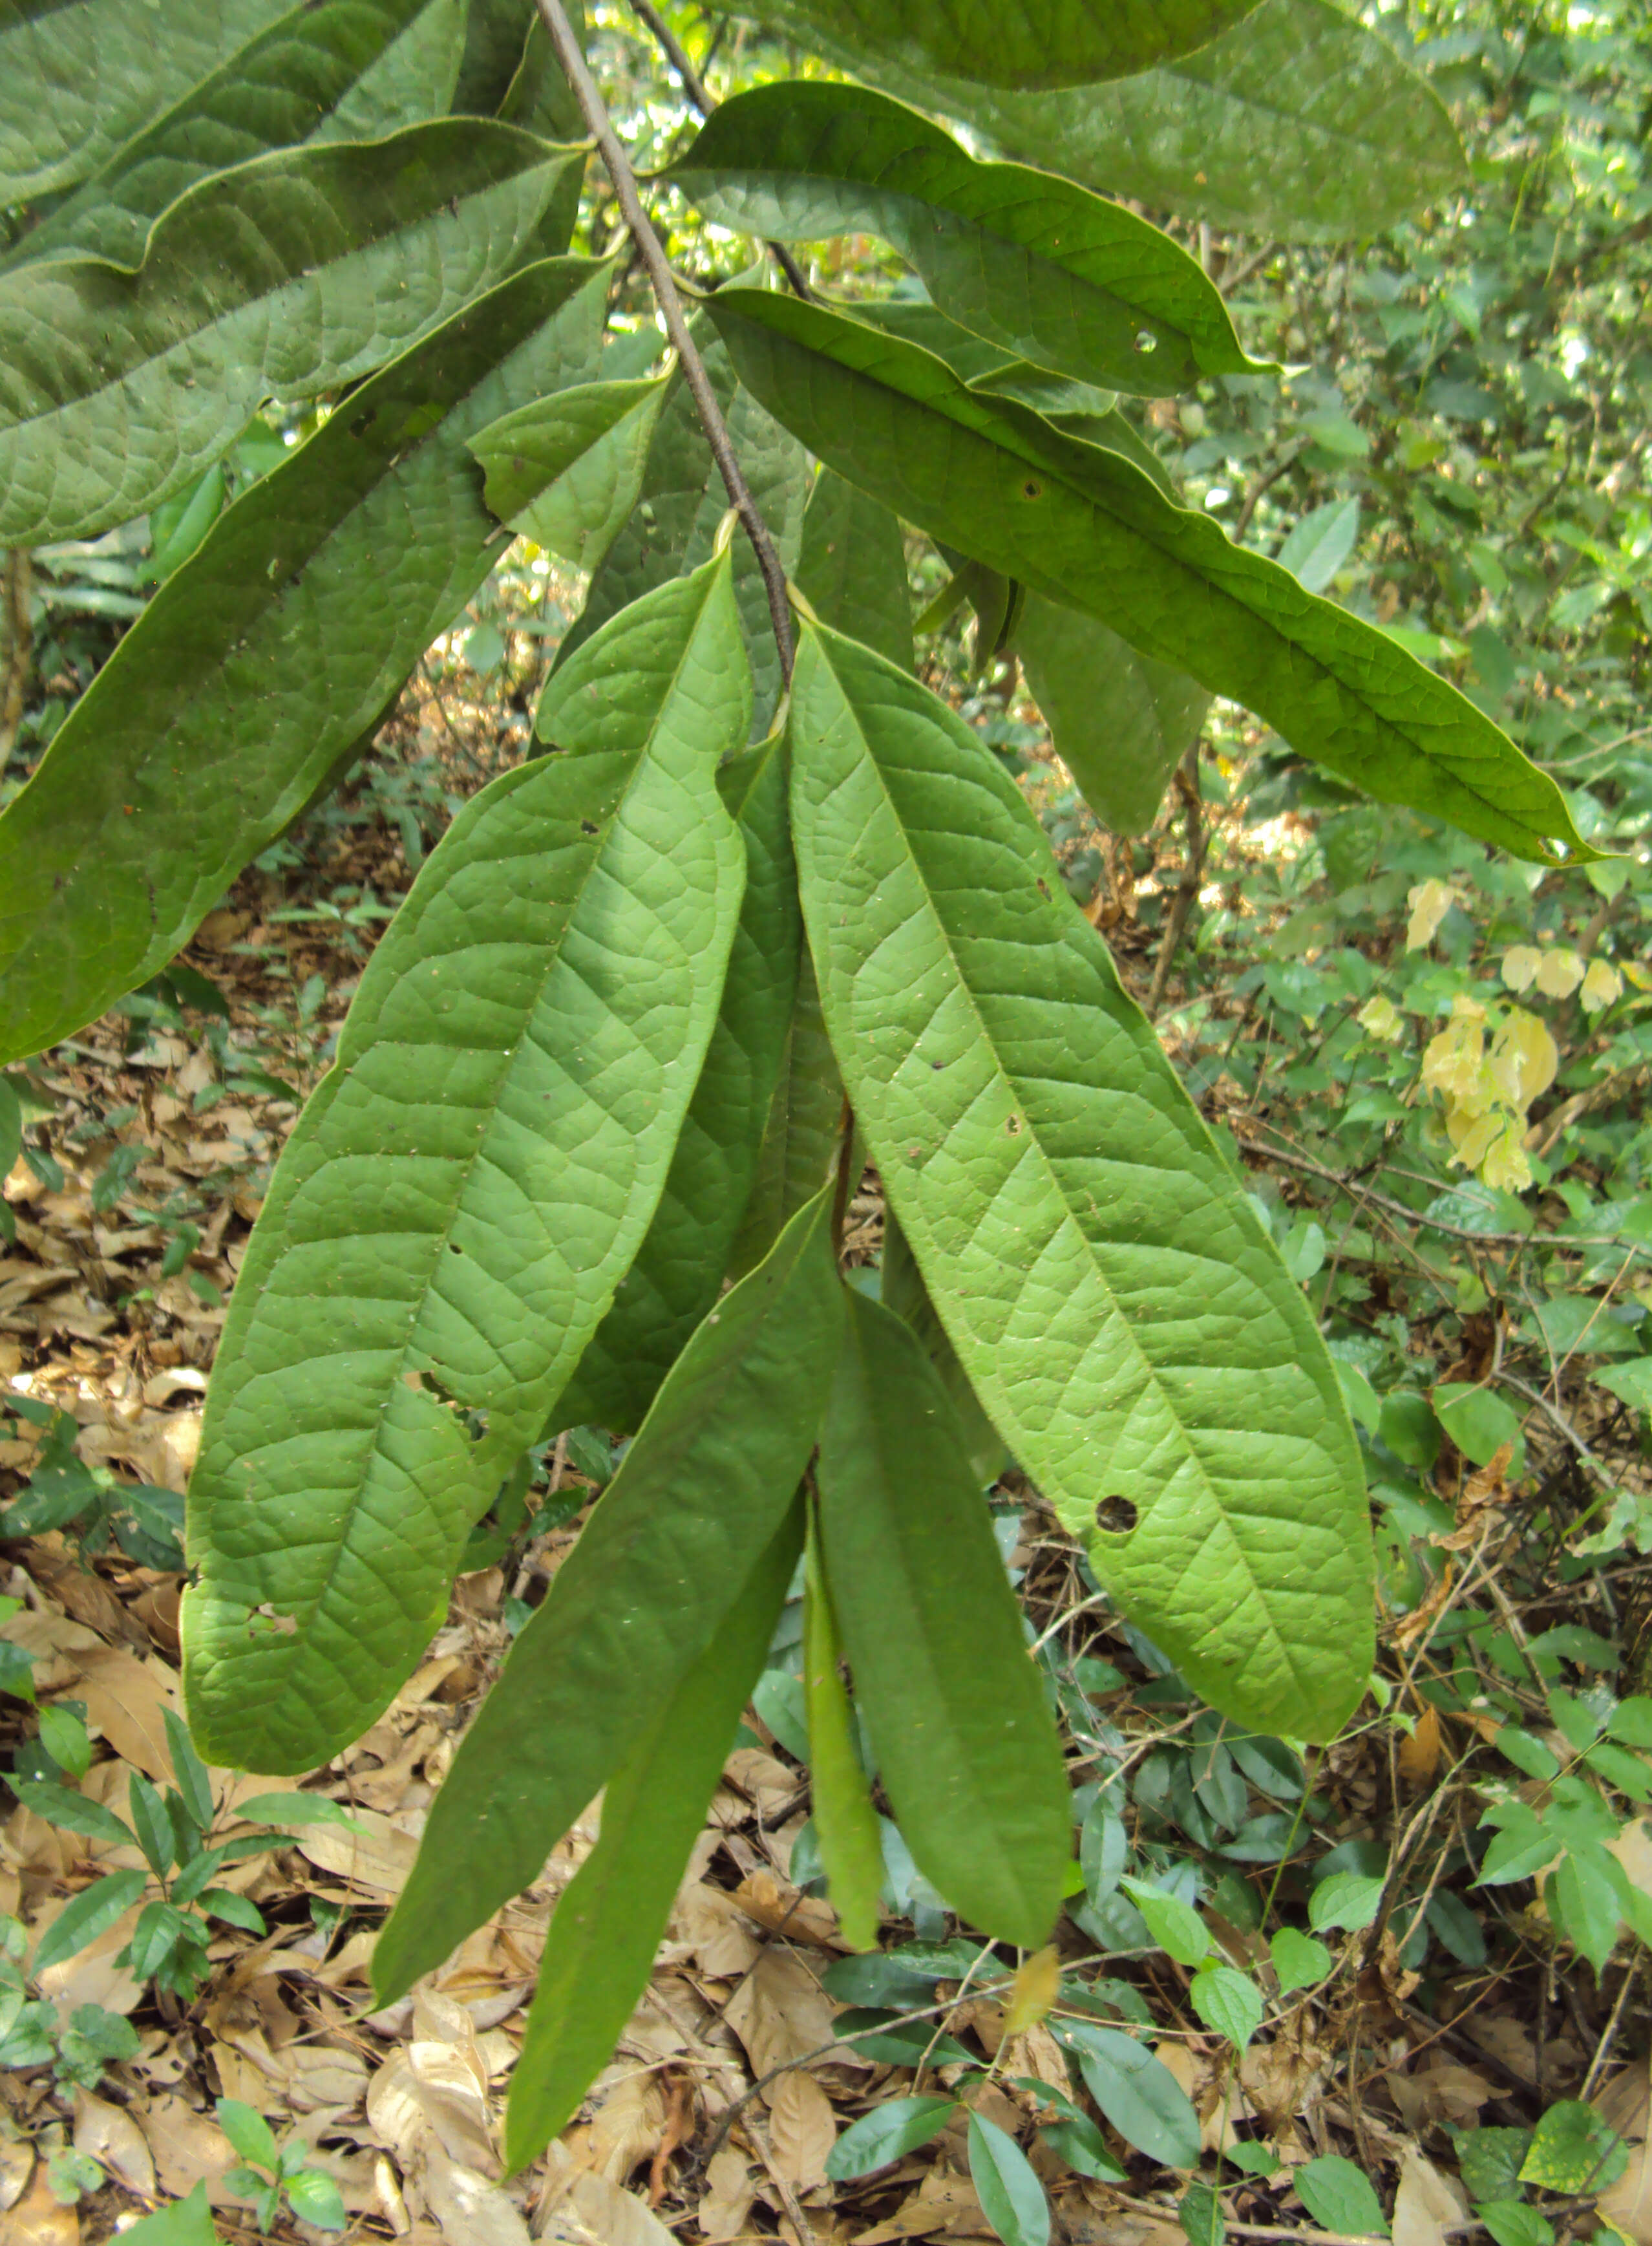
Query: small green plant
column 88, row 1502
column 273, row 2176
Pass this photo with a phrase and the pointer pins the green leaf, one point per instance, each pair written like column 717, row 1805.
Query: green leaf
column 1109, row 1293
column 1228, row 2001
column 10, row 1129
column 1085, row 525
column 1298, row 123
column 1043, row 269
column 193, row 1783
column 283, row 278
column 1584, row 1903
column 1137, row 2094
column 683, row 501
column 675, row 1274
column 701, row 1492
column 1200, row 2216
column 342, row 70
column 65, row 1740
column 1339, row 2196
column 1298, row 1959
column 1574, row 2150
column 184, row 2222
column 568, row 470
column 845, row 1823
column 905, row 1294
column 1039, row 43
column 800, row 1138
column 292, row 1809
column 851, row 568
column 1012, row 2199
column 1104, row 1849
column 964, row 1745
column 224, row 710
column 1477, row 1419
column 151, row 1824
column 88, row 1914
column 899, row 2126
column 607, row 1923
column 1512, row 2223
column 314, row 2197
column 1320, row 543
column 250, row 2134
column 511, row 1078
column 1175, row 1926
column 73, row 1813
column 1631, row 1383
column 78, row 80
column 1347, row 1899
column 1120, row 722
column 1080, row 2143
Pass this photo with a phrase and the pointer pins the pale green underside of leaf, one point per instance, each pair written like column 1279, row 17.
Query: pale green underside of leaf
column 905, row 1294
column 1297, row 123
column 1034, row 43
column 966, row 1749
column 538, row 97
column 684, row 500
column 284, row 277
column 1090, row 530
column 448, row 1221
column 608, row 1921
column 1113, row 1300
column 1120, row 722
column 344, row 70
column 1037, row 266
column 801, row 1137
column 851, row 568
column 706, row 1485
column 239, row 689
column 567, row 471
column 679, row 1269
column 76, row 80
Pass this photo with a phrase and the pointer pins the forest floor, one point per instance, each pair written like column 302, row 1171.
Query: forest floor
column 717, row 2117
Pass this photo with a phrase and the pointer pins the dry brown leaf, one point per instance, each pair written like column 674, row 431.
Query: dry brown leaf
column 579, row 2208
column 16, row 2166
column 1419, row 1755
column 188, row 2147
column 109, row 2134
column 729, row 2192
column 944, row 2205
column 380, row 1856
column 1427, row 2203
column 469, row 2209
column 39, row 2219
column 801, row 2130
column 125, row 1697
column 1446, row 2092
column 787, row 1911
column 92, row 1977
column 710, row 1925
column 780, row 2012
column 626, row 2125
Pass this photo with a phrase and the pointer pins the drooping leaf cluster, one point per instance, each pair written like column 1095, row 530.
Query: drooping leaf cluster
column 615, row 1066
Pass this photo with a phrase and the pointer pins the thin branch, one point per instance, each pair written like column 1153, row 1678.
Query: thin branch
column 705, row 101
column 569, row 54
column 1264, row 483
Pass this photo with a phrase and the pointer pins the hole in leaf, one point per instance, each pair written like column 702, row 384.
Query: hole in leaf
column 588, row 826
column 1146, row 341
column 1031, row 489
column 1117, row 1515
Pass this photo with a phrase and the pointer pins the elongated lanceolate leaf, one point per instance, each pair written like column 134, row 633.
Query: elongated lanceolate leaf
column 568, row 470
column 852, row 567
column 608, row 1921
column 1029, row 261
column 78, row 77
column 965, row 1746
column 905, row 1294
column 683, row 503
column 262, row 661
column 1110, row 1294
column 677, row 1274
column 1298, row 123
column 447, row 1224
column 284, row 277
column 846, row 1824
column 1120, row 722
column 1090, row 530
column 1037, row 43
column 801, row 1137
column 342, row 70
column 700, row 1495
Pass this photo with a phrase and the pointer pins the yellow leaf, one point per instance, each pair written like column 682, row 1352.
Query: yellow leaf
column 1558, row 973
column 1504, row 1168
column 1520, row 965
column 1036, row 1986
column 1452, row 1064
column 1524, row 1059
column 1429, row 902
column 1380, row 1017
column 1601, row 986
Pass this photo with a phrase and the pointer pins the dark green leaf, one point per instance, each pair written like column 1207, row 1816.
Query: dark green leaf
column 607, row 1923
column 905, row 1294
column 1298, row 123
column 1012, row 2199
column 1339, row 2196
column 513, row 1077
column 900, row 2125
column 225, row 709
column 1108, row 1291
column 1137, row 2094
column 284, row 277
column 852, row 569
column 73, row 1813
column 151, row 1823
column 86, row 1916
column 965, row 1746
column 194, row 1784
column 334, row 70
column 801, row 1135
column 1120, row 722
column 1085, row 525
column 701, row 1492
column 1038, row 43
column 675, row 1274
